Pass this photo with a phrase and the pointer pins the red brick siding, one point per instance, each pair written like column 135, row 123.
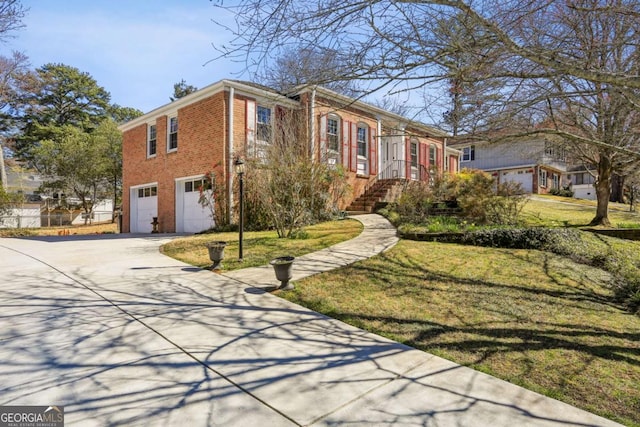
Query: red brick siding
column 348, row 116
column 201, row 145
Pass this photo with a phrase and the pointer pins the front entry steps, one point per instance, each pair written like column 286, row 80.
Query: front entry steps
column 378, row 195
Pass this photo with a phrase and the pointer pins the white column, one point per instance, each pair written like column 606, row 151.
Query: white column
column 230, row 166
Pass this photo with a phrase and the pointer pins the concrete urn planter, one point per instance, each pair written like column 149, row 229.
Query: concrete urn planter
column 216, row 254
column 283, row 267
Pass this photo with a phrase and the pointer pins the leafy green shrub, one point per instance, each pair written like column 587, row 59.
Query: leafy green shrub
column 481, row 201
column 471, row 194
column 562, row 192
column 558, row 240
column 473, row 189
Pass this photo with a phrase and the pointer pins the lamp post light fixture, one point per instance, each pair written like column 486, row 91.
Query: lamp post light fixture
column 239, row 164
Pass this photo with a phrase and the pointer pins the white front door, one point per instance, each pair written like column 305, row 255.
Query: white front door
column 392, row 156
column 399, row 168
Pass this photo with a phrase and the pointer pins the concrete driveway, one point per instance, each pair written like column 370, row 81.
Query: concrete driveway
column 122, row 335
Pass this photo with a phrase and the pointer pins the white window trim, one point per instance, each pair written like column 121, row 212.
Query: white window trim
column 433, row 162
column 173, row 116
column 259, row 123
column 415, row 143
column 134, row 188
column 148, row 184
column 150, row 156
column 366, row 142
column 336, row 155
column 362, row 168
column 544, row 178
column 467, row 154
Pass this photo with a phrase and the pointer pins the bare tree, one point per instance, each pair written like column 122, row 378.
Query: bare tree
column 599, row 121
column 287, row 189
column 307, row 66
column 12, row 12
column 563, row 69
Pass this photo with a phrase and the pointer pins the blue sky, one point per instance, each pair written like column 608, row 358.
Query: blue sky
column 135, row 49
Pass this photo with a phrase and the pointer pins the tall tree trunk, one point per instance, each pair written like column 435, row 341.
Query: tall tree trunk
column 617, row 188
column 3, row 172
column 603, row 191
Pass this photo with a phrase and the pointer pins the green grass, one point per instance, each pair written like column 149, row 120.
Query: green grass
column 529, row 317
column 259, row 247
column 556, row 211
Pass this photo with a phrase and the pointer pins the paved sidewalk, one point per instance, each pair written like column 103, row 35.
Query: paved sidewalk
column 122, row 335
column 377, row 236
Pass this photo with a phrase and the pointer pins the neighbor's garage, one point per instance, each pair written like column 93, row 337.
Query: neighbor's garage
column 144, row 206
column 191, row 216
column 523, row 177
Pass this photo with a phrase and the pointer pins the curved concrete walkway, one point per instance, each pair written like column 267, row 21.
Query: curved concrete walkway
column 121, row 335
column 377, row 236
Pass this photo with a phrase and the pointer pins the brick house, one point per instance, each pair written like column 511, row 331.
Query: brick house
column 167, row 151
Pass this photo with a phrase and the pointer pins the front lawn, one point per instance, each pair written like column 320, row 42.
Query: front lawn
column 259, row 247
column 554, row 211
column 529, row 317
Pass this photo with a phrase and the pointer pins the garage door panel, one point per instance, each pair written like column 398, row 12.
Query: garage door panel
column 524, row 178
column 144, row 206
column 191, row 216
column 195, row 217
column 147, row 209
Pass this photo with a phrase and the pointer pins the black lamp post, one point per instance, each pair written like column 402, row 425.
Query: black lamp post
column 239, row 163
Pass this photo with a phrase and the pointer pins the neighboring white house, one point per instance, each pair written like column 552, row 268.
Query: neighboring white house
column 582, row 183
column 536, row 164
column 102, row 212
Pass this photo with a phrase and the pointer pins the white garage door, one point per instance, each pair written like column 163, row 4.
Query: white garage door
column 191, row 216
column 144, row 206
column 524, row 177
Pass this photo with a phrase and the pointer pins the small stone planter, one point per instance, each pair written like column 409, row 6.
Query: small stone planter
column 283, row 267
column 216, row 254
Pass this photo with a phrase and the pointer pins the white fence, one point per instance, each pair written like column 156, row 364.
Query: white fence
column 36, row 220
